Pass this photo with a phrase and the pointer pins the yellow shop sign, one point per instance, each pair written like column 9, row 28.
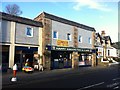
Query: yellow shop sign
column 62, row 42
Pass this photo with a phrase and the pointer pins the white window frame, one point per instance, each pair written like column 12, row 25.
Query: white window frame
column 30, row 32
column 89, row 40
column 56, row 35
column 80, row 38
column 69, row 35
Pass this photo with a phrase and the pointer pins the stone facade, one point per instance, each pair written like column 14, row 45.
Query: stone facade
column 63, row 27
column 61, row 43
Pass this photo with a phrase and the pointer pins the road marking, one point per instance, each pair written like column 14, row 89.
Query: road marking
column 112, row 85
column 116, row 87
column 115, row 79
column 91, row 86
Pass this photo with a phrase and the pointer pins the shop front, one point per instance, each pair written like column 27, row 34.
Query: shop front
column 85, row 59
column 61, row 59
column 24, row 53
column 65, row 57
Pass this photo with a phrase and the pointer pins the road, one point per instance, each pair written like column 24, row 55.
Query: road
column 77, row 79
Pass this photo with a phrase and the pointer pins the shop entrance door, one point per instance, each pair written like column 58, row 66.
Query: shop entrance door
column 61, row 59
column 85, row 59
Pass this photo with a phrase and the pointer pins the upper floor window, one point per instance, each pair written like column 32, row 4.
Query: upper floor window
column 108, row 52
column 89, row 40
column 29, row 32
column 55, row 34
column 80, row 38
column 69, row 36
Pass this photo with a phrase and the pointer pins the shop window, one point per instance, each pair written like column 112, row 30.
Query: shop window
column 17, row 58
column 69, row 36
column 80, row 38
column 80, row 57
column 29, row 32
column 5, row 57
column 55, row 34
column 5, row 54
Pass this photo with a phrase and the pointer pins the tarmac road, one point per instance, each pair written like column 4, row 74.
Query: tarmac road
column 77, row 79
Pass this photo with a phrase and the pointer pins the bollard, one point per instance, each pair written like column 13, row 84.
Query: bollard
column 14, row 73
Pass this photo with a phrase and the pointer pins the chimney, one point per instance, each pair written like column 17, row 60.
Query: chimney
column 102, row 33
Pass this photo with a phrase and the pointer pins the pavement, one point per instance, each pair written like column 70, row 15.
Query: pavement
column 23, row 77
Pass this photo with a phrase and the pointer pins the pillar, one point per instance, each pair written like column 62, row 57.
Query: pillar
column 75, row 60
column 40, row 45
column 104, row 51
column 48, row 60
column 93, row 47
column 93, row 59
column 12, row 45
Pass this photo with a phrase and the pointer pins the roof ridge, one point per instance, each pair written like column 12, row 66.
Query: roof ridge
column 54, row 17
column 19, row 19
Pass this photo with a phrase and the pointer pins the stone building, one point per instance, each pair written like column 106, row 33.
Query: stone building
column 66, row 43
column 104, row 47
column 61, row 43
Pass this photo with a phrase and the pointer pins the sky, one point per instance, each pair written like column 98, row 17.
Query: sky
column 100, row 14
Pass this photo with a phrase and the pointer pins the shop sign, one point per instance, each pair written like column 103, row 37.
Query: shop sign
column 62, row 42
column 71, row 49
column 84, row 50
column 60, row 48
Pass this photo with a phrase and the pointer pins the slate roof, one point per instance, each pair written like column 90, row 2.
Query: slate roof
column 19, row 19
column 62, row 20
column 116, row 45
column 106, row 38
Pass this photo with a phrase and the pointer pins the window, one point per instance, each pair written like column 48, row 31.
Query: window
column 89, row 40
column 69, row 36
column 29, row 32
column 80, row 38
column 108, row 52
column 55, row 34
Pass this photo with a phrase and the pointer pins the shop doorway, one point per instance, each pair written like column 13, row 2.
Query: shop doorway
column 61, row 59
column 85, row 59
column 22, row 54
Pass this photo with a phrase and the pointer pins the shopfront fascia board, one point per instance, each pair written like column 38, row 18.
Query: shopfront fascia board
column 69, row 49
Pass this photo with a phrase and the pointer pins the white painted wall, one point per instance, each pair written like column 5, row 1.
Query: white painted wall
column 113, row 52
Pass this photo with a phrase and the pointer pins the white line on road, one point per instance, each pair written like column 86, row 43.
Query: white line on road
column 115, row 79
column 91, row 86
column 116, row 87
column 112, row 85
